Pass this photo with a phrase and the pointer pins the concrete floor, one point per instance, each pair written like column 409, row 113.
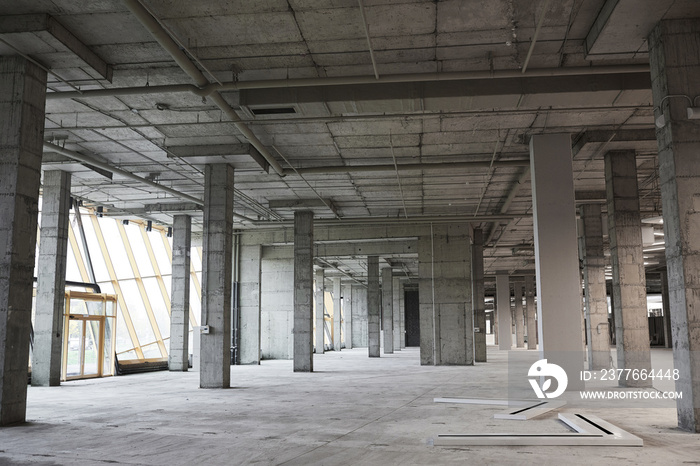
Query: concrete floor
column 353, row 410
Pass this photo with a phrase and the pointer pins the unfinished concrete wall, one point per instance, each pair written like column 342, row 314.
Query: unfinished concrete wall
column 446, row 317
column 360, row 331
column 277, row 302
column 249, row 304
column 180, row 294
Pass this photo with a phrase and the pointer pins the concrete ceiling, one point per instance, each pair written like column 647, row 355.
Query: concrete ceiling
column 266, row 59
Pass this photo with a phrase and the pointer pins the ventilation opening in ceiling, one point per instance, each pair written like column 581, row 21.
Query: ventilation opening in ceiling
column 273, row 111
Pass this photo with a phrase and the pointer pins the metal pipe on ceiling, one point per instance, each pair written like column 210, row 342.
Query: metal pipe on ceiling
column 509, row 200
column 170, row 46
column 364, row 221
column 206, row 89
column 105, row 166
column 404, row 167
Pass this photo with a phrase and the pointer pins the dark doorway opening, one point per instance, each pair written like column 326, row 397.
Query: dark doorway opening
column 412, row 317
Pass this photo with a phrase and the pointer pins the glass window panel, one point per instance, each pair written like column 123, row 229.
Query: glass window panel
column 162, row 256
column 124, row 342
column 110, row 308
column 138, row 247
column 151, row 351
column 75, row 341
column 98, row 262
column 108, row 363
column 77, row 306
column 107, row 287
column 129, row 355
column 195, row 302
column 72, row 270
column 195, row 260
column 92, row 340
column 137, row 311
column 168, row 282
column 115, row 248
column 160, row 311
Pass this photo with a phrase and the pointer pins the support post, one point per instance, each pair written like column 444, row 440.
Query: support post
column 396, row 312
column 673, row 58
column 478, row 296
column 594, row 282
column 320, row 311
column 530, row 312
column 51, row 279
column 387, row 309
column 337, row 315
column 303, row 291
column 217, row 268
column 22, row 99
column 347, row 314
column 519, row 318
column 629, row 279
column 180, row 294
column 505, row 326
column 373, row 303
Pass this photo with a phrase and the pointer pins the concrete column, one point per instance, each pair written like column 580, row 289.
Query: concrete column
column 530, row 313
column 495, row 320
column 505, row 326
column 22, row 97
column 402, row 315
column 665, row 302
column 276, row 302
column 396, row 312
column 519, row 316
column 478, row 296
column 180, row 294
column 360, row 327
column 51, row 284
column 217, row 248
column 446, row 317
column 388, row 309
column 373, row 303
column 249, row 304
column 673, row 56
column 320, row 345
column 556, row 254
column 347, row 315
column 594, row 283
column 629, row 280
column 337, row 314
column 303, row 291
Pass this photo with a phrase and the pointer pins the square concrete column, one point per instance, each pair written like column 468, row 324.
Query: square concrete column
column 396, row 312
column 303, row 291
column 373, row 304
column 320, row 311
column 675, row 64
column 359, row 321
column 494, row 319
column 595, row 288
column 337, row 315
column 530, row 312
column 180, row 294
column 629, row 279
column 505, row 326
column 402, row 315
column 666, row 304
column 51, row 283
column 22, row 97
column 556, row 254
column 347, row 315
column 388, row 309
column 519, row 315
column 446, row 316
column 217, row 247
column 478, row 296
column 249, row 304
